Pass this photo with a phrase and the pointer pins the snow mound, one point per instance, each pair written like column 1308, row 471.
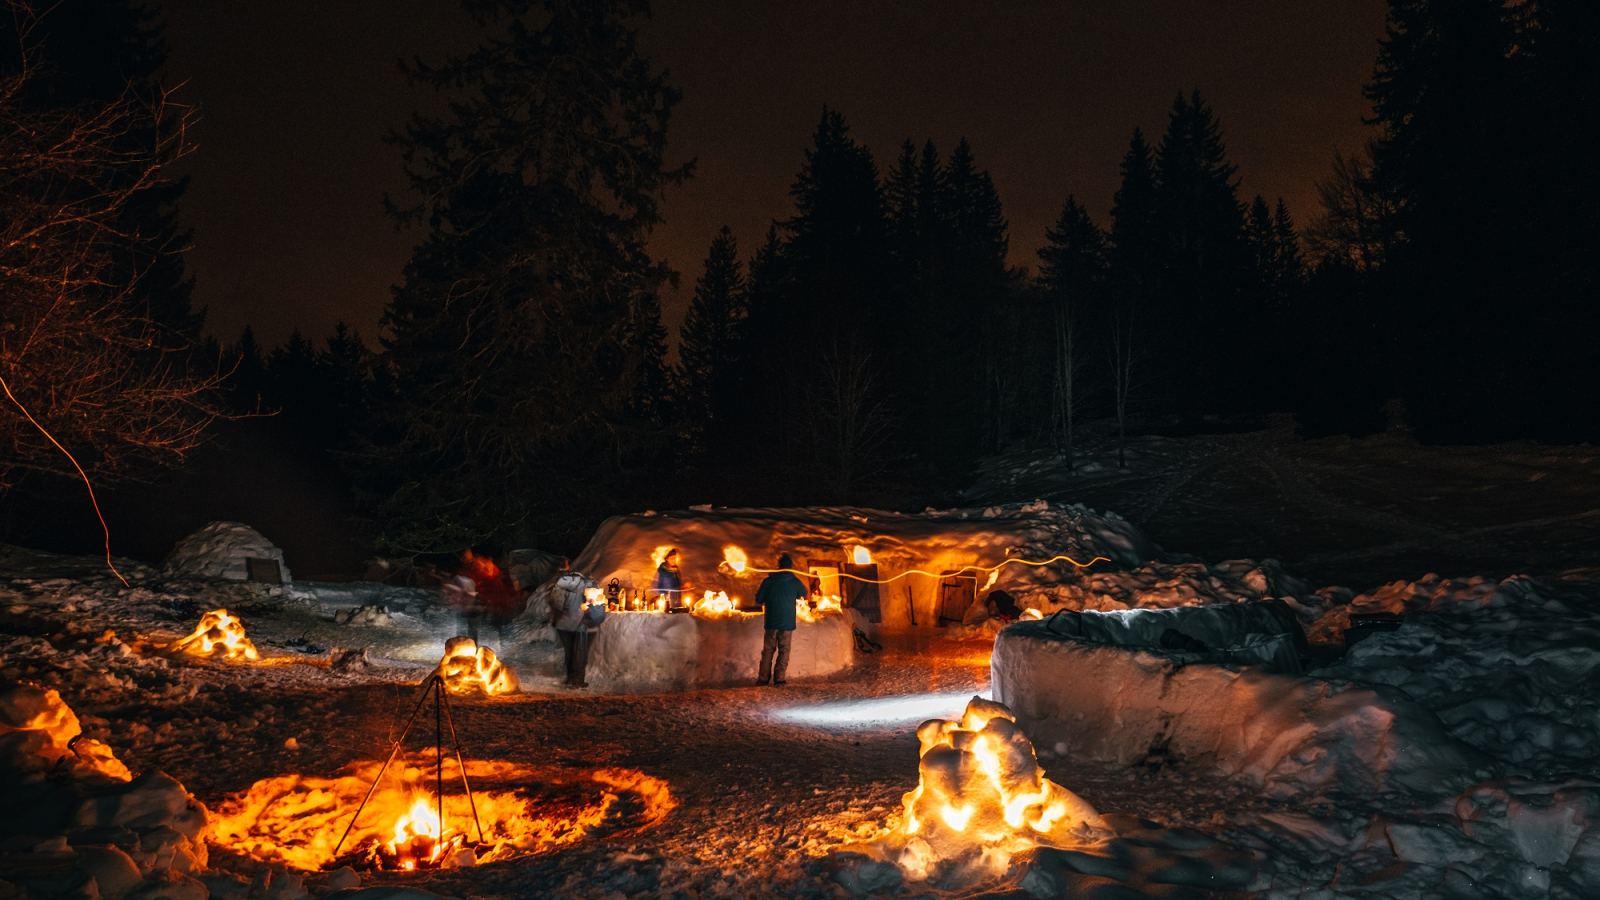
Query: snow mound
column 220, row 550
column 76, row 823
column 1510, row 667
column 1287, row 734
column 933, row 541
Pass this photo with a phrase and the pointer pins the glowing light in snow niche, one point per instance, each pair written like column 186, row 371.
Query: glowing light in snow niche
column 467, row 667
column 993, row 577
column 659, row 555
column 860, row 556
column 735, row 559
column 850, row 714
column 714, row 604
column 220, row 634
column 982, row 798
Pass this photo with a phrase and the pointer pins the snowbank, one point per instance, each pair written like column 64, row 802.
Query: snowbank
column 933, row 541
column 220, row 550
column 1286, row 733
column 653, row 651
column 88, row 827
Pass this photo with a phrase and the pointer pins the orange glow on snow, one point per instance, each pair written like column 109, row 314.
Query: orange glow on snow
column 736, row 559
column 860, row 556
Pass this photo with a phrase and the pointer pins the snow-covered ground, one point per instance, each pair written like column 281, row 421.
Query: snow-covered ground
column 791, row 792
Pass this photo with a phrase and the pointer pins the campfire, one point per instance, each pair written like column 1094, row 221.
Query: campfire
column 299, row 820
column 468, row 668
column 220, row 635
column 982, row 797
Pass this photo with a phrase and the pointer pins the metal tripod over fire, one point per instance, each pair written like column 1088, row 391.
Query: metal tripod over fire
column 433, row 686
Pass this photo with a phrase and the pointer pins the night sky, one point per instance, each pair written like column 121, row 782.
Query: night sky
column 295, row 95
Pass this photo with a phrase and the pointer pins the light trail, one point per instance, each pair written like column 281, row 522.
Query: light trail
column 973, row 568
column 81, row 473
column 860, row 714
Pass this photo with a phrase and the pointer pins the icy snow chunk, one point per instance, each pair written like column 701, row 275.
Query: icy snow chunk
column 221, row 550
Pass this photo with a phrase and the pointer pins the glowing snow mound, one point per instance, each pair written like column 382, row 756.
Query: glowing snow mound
column 220, row 635
column 468, row 667
column 221, row 550
column 40, row 733
column 982, row 798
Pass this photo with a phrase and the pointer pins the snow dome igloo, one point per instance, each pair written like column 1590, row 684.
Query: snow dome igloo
column 223, row 550
column 932, row 564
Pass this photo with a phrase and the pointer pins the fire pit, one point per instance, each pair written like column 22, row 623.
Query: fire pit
column 298, row 820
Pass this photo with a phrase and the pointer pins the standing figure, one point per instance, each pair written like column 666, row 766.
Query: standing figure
column 461, row 593
column 668, row 582
column 778, row 594
column 574, row 617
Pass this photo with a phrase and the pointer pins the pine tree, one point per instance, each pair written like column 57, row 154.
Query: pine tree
column 246, row 369
column 977, row 279
column 1198, row 223
column 1132, row 325
column 710, row 342
column 525, row 339
column 1072, row 277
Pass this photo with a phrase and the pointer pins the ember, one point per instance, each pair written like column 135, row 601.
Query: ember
column 981, row 787
column 467, row 667
column 298, row 820
column 220, row 634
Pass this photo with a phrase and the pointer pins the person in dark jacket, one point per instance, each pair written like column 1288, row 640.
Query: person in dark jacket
column 778, row 594
column 668, row 583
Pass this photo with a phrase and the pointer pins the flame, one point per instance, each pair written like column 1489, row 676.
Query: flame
column 591, row 595
column 735, row 558
column 830, row 603
column 994, row 575
column 980, row 784
column 659, row 555
column 298, row 820
column 219, row 634
column 860, row 556
column 467, row 667
column 713, row 604
column 417, row 840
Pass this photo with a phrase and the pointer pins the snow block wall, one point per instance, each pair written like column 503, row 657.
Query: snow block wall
column 219, row 550
column 934, row 541
column 1285, row 733
column 650, row 651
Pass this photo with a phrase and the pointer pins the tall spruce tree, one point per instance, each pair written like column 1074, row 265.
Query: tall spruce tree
column 522, row 336
column 1198, row 223
column 1072, row 277
column 711, row 339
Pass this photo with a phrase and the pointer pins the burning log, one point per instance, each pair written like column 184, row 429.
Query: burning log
column 220, row 635
column 982, row 794
column 467, row 667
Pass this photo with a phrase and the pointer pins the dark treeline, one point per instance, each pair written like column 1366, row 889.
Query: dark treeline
column 875, row 343
column 880, row 338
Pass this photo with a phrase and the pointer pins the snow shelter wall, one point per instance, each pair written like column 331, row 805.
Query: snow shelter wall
column 933, row 541
column 1287, row 734
column 654, row 651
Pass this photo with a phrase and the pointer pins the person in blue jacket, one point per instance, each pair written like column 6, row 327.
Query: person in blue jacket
column 777, row 596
